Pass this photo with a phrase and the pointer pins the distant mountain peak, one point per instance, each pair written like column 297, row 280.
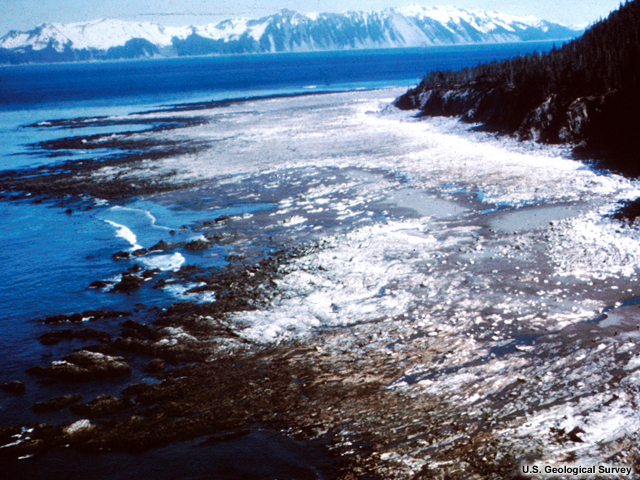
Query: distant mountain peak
column 284, row 31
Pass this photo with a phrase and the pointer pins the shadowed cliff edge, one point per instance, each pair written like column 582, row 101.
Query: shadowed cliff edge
column 584, row 93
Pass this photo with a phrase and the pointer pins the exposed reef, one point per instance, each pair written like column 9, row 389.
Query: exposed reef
column 458, row 311
column 127, row 169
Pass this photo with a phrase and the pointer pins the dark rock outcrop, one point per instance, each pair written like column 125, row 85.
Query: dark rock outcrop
column 163, row 246
column 101, row 406
column 127, row 283
column 83, row 366
column 87, row 314
column 13, row 387
column 55, row 404
column 198, row 245
column 100, row 284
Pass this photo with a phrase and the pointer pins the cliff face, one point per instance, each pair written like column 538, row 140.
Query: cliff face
column 598, row 126
column 585, row 94
column 496, row 106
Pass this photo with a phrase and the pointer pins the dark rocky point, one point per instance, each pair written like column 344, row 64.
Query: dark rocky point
column 88, row 314
column 14, row 387
column 156, row 365
column 103, row 405
column 584, row 93
column 56, row 404
column 127, row 283
column 83, row 366
column 198, row 245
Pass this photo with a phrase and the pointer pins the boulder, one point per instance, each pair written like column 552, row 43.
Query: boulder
column 198, row 244
column 127, row 283
column 83, row 366
column 13, row 387
column 55, row 404
column 101, row 406
column 163, row 246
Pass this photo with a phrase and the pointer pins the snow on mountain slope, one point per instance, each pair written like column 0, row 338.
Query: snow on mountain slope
column 284, row 31
column 97, row 34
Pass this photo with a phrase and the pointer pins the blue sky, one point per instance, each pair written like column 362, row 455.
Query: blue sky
column 26, row 14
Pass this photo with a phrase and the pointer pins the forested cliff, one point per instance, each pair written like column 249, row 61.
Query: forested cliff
column 585, row 93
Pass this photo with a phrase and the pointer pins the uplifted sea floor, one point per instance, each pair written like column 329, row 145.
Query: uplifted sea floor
column 377, row 295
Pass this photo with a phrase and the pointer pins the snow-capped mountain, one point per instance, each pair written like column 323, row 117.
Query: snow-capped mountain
column 285, row 31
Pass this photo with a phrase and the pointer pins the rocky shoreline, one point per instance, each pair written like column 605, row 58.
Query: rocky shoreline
column 443, row 338
column 583, row 93
column 598, row 127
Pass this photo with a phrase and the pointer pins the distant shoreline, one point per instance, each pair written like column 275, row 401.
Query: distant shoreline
column 345, row 51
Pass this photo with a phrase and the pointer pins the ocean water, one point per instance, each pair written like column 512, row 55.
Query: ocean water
column 50, row 257
column 114, row 84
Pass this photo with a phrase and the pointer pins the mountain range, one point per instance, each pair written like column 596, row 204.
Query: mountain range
column 285, row 31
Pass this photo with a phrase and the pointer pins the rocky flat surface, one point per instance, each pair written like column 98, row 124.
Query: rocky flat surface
column 424, row 301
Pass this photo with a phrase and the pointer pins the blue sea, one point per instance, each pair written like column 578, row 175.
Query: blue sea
column 49, row 256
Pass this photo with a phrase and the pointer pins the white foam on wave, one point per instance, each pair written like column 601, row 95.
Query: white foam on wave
column 152, row 219
column 294, row 220
column 124, row 232
column 164, row 262
column 181, row 291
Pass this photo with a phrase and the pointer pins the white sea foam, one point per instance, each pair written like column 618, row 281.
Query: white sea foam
column 124, row 232
column 146, row 213
column 181, row 292
column 294, row 220
column 163, row 262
